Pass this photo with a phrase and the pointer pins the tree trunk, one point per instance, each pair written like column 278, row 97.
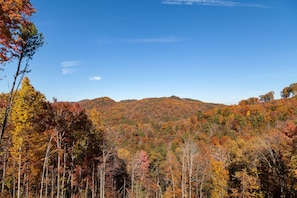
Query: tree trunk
column 190, row 164
column 19, row 174
column 52, row 184
column 87, row 188
column 26, row 180
column 4, row 171
column 59, row 139
column 13, row 180
column 11, row 94
column 58, row 174
column 183, row 185
column 45, row 165
column 46, row 179
column 173, row 182
column 64, row 174
column 102, row 181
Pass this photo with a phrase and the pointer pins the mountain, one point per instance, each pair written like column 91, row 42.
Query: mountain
column 146, row 110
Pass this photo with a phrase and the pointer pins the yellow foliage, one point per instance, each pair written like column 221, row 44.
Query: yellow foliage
column 124, row 154
column 219, row 179
column 27, row 105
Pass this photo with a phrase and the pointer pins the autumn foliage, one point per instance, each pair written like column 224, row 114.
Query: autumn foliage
column 156, row 147
column 59, row 149
column 14, row 15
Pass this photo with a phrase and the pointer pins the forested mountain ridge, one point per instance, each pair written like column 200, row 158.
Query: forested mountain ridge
column 146, row 110
column 156, row 147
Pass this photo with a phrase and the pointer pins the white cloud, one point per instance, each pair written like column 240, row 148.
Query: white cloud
column 70, row 63
column 95, row 78
column 67, row 66
column 67, row 71
column 224, row 3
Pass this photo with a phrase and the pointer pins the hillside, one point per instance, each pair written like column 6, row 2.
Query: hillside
column 168, row 147
column 146, row 110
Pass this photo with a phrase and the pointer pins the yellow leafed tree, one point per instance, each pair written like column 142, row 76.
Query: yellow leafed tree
column 27, row 141
column 219, row 179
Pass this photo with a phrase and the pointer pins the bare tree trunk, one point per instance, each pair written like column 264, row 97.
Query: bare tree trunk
column 134, row 166
column 45, row 165
column 59, row 139
column 87, row 188
column 58, row 174
column 132, row 179
column 26, row 180
column 201, row 185
column 19, row 174
column 102, row 180
column 64, row 174
column 47, row 179
column 105, row 156
column 93, row 183
column 190, row 164
column 124, row 188
column 11, row 93
column 52, row 185
column 13, row 180
column 79, row 186
column 173, row 182
column 183, row 185
column 4, row 171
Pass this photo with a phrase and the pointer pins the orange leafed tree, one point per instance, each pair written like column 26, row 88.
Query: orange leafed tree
column 14, row 14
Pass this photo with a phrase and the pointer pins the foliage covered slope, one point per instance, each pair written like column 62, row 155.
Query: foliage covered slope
column 146, row 110
column 156, row 147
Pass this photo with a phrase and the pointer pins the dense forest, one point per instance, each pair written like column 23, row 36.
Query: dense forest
column 155, row 147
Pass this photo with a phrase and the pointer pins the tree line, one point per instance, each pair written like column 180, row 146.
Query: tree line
column 54, row 150
column 287, row 92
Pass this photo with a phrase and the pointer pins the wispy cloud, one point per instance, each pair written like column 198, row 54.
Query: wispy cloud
column 68, row 66
column 168, row 39
column 95, row 78
column 70, row 63
column 224, row 3
column 67, row 71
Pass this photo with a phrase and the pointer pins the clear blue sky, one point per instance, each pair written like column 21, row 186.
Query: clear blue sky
column 218, row 51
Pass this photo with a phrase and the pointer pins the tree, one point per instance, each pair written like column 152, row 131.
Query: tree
column 219, row 173
column 26, row 139
column 293, row 89
column 29, row 40
column 275, row 153
column 219, row 179
column 172, row 171
column 71, row 127
column 139, row 173
column 285, row 93
column 14, row 15
column 267, row 97
column 249, row 101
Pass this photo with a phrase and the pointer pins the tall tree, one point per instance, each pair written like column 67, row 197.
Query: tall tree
column 29, row 40
column 26, row 139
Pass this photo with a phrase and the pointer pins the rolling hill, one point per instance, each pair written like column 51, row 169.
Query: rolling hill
column 146, row 110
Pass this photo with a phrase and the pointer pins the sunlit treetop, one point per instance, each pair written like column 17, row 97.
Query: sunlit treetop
column 14, row 15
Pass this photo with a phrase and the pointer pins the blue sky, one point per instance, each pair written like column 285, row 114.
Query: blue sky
column 219, row 51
